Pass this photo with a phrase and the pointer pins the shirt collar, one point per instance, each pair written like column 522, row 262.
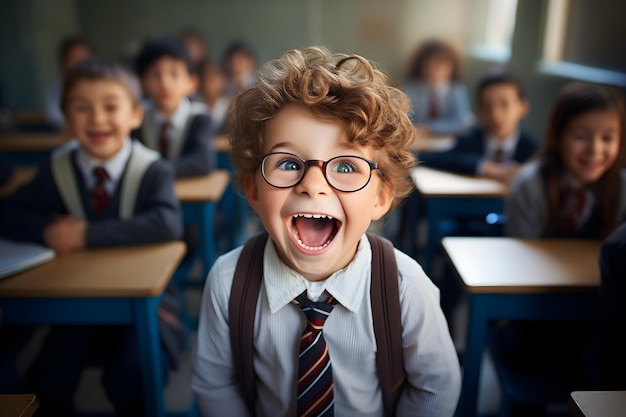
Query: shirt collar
column 283, row 284
column 508, row 144
column 114, row 165
column 178, row 118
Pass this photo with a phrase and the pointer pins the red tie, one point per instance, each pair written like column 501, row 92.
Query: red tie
column 498, row 155
column 163, row 138
column 315, row 376
column 433, row 106
column 575, row 200
column 98, row 194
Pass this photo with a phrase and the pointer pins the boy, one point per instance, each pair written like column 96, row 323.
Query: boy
column 496, row 147
column 175, row 126
column 71, row 204
column 73, row 50
column 309, row 107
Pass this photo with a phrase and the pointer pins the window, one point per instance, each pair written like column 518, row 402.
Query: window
column 585, row 40
column 492, row 38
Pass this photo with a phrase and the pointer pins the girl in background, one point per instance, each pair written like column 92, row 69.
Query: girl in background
column 439, row 100
column 577, row 186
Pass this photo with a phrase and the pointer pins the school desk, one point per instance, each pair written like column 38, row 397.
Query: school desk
column 18, row 405
column 199, row 197
column 30, row 148
column 121, row 285
column 450, row 195
column 598, row 403
column 432, row 143
column 527, row 279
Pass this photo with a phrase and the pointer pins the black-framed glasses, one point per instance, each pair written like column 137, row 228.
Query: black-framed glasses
column 346, row 173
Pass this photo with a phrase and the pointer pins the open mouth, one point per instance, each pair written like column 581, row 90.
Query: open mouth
column 98, row 137
column 314, row 232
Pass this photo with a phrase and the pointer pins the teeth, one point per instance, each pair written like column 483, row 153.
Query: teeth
column 313, row 216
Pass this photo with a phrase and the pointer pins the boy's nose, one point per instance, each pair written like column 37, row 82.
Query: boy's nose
column 314, row 182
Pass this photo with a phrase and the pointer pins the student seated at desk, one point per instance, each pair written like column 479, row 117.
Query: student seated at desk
column 101, row 190
column 180, row 129
column 439, row 100
column 496, row 146
column 577, row 185
column 576, row 189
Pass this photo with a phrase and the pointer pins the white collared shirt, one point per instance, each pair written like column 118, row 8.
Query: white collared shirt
column 507, row 145
column 430, row 358
column 114, row 166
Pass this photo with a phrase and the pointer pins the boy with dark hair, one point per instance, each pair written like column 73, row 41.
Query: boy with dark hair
column 71, row 51
column 321, row 143
column 102, row 189
column 180, row 129
column 496, row 146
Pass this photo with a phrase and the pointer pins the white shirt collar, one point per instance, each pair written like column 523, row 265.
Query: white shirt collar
column 114, row 165
column 177, row 119
column 507, row 145
column 283, row 284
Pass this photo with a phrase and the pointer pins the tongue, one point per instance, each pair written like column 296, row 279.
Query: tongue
column 314, row 232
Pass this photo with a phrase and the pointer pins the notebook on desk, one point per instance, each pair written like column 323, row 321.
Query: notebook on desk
column 19, row 256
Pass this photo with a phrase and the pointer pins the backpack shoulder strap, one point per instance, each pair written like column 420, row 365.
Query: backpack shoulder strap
column 241, row 311
column 65, row 180
column 140, row 159
column 385, row 299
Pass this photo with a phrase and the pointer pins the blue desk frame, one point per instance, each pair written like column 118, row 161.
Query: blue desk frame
column 484, row 307
column 439, row 208
column 138, row 311
column 203, row 214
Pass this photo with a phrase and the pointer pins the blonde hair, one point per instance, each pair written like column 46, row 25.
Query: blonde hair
column 332, row 86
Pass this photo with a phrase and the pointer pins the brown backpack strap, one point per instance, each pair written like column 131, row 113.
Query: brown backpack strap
column 242, row 309
column 385, row 299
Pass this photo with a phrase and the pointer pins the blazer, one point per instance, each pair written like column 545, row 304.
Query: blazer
column 470, row 149
column 527, row 208
column 157, row 215
column 456, row 115
column 197, row 155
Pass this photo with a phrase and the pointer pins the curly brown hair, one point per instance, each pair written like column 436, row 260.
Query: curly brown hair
column 333, row 86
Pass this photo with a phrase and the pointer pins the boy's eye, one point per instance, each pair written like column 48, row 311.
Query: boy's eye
column 344, row 166
column 289, row 165
column 110, row 107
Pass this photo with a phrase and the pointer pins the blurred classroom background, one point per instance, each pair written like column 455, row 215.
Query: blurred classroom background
column 549, row 42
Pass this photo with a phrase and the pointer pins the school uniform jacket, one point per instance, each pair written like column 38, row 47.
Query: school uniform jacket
column 196, row 155
column 527, row 208
column 470, row 150
column 156, row 218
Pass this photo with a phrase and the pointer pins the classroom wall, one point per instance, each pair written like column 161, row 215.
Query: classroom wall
column 385, row 32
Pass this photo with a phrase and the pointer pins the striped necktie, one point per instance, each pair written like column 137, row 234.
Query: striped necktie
column 315, row 376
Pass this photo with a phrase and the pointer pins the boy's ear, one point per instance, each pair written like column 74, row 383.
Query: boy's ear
column 384, row 199
column 525, row 108
column 137, row 116
column 192, row 86
column 251, row 190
